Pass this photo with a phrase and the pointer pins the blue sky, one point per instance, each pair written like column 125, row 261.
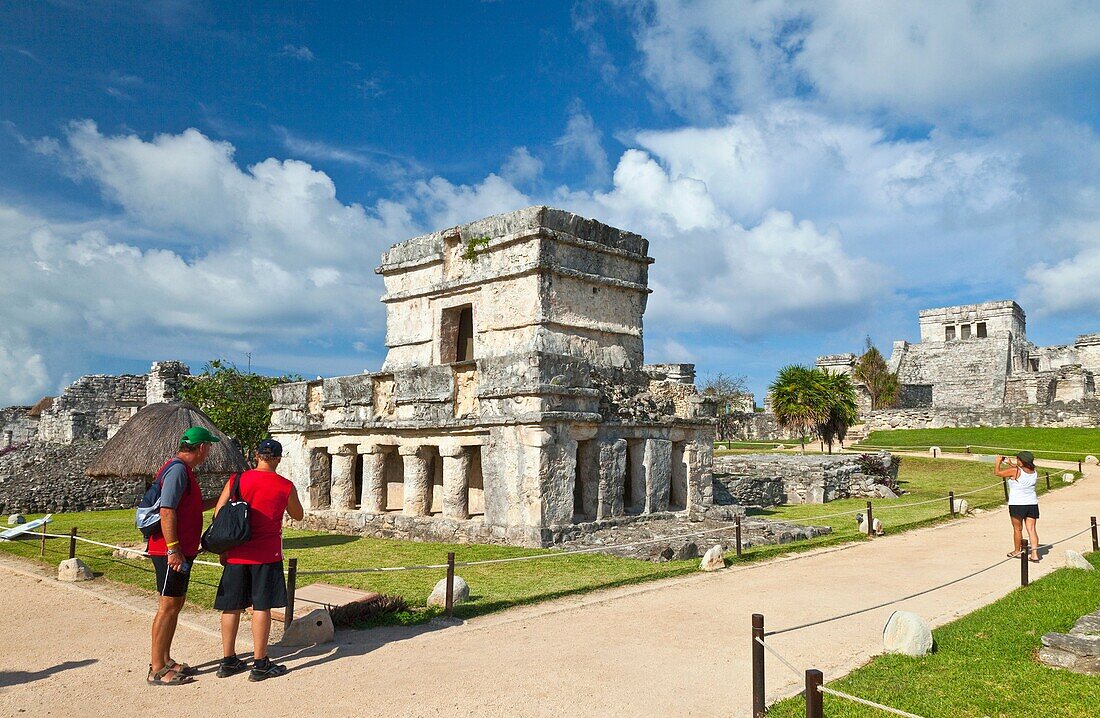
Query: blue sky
column 200, row 180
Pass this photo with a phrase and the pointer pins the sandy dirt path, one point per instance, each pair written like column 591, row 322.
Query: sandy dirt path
column 679, row 647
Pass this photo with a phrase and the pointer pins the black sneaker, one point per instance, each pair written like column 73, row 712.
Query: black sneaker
column 231, row 667
column 262, row 670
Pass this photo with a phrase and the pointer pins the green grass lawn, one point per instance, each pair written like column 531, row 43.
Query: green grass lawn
column 503, row 585
column 1063, row 444
column 984, row 663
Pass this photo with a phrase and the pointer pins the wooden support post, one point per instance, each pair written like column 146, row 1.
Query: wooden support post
column 1024, row 552
column 72, row 543
column 814, row 702
column 758, row 706
column 449, row 609
column 737, row 534
column 1048, row 481
column 933, row 452
column 291, row 585
column 42, row 548
column 1079, row 469
column 870, row 520
column 1095, row 543
column 951, row 502
column 1004, row 485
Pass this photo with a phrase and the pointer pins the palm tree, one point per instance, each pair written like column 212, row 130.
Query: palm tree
column 843, row 411
column 798, row 400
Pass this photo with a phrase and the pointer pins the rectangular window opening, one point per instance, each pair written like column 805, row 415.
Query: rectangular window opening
column 456, row 334
column 982, row 330
column 948, row 333
column 965, row 331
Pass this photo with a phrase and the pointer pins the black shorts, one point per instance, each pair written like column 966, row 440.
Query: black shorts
column 260, row 585
column 1023, row 511
column 169, row 582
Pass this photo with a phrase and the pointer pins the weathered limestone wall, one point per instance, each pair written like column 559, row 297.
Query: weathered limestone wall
column 94, row 407
column 771, row 479
column 1077, row 414
column 49, row 478
column 16, row 427
column 962, row 372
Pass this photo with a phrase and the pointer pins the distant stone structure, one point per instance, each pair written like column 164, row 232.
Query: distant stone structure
column 513, row 405
column 974, row 366
column 94, row 407
column 773, row 479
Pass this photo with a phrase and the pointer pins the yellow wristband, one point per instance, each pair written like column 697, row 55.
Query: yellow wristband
column 174, row 543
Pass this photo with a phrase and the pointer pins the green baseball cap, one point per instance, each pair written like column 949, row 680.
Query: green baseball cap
column 198, row 435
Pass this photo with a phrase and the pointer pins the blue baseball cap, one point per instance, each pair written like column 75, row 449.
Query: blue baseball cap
column 269, row 447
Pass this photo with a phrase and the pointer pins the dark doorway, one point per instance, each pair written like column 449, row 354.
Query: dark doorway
column 456, row 334
column 357, row 499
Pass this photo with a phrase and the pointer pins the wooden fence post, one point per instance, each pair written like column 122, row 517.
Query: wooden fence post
column 951, row 502
column 737, row 534
column 1024, row 553
column 291, row 585
column 758, row 706
column 814, row 702
column 72, row 543
column 449, row 609
column 1095, row 543
column 870, row 521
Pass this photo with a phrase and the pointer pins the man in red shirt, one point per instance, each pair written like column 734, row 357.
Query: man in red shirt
column 173, row 549
column 253, row 572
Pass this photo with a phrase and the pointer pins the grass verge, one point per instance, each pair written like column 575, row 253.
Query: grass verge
column 1046, row 443
column 984, row 663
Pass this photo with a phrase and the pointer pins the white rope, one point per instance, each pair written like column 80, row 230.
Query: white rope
column 782, row 660
column 123, row 549
column 866, row 702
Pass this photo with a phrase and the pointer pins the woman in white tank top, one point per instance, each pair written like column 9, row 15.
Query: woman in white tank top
column 1023, row 502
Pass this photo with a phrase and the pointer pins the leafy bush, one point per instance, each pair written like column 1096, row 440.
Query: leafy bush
column 873, row 465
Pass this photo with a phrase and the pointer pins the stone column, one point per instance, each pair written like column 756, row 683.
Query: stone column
column 8, row 439
column 373, row 500
column 343, row 477
column 658, row 470
column 320, row 479
column 418, row 480
column 456, row 481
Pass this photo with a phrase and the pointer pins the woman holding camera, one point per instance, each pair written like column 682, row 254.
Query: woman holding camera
column 1023, row 503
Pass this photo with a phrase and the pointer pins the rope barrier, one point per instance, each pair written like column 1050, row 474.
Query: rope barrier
column 799, row 674
column 124, row 549
column 918, row 593
column 866, row 702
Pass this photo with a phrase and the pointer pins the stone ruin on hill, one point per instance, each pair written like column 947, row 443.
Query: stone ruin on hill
column 513, row 405
column 973, row 366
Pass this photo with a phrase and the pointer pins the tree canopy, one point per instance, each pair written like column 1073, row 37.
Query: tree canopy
column 872, row 371
column 237, row 402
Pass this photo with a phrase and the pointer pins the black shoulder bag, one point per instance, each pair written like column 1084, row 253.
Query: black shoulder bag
column 230, row 527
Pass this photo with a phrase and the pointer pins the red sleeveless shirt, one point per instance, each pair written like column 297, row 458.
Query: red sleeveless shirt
column 267, row 494
column 188, row 519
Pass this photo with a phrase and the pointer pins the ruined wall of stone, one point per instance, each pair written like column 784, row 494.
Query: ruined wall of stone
column 1076, row 414
column 16, row 427
column 771, row 479
column 93, row 407
column 963, row 372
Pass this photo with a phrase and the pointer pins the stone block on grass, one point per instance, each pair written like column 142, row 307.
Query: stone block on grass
column 16, row 519
column 72, row 570
column 439, row 593
column 907, row 633
column 309, row 630
column 713, row 559
column 1076, row 560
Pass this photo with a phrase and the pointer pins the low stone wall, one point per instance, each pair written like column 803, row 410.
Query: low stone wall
column 772, row 479
column 49, row 478
column 1058, row 415
column 16, row 427
column 752, row 426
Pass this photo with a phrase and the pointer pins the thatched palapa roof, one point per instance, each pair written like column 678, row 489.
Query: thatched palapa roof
column 44, row 403
column 152, row 436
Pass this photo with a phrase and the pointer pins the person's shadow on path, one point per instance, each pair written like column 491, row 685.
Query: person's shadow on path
column 16, row 678
column 350, row 643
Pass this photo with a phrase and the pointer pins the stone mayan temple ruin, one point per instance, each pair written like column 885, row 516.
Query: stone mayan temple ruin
column 977, row 356
column 513, row 405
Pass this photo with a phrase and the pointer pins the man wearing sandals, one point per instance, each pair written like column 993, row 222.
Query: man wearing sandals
column 253, row 572
column 173, row 549
column 1023, row 502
